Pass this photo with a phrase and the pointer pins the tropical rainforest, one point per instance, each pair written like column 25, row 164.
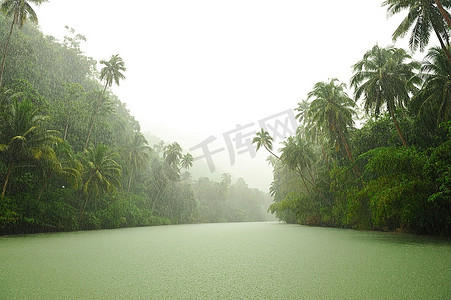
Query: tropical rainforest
column 373, row 155
column 71, row 155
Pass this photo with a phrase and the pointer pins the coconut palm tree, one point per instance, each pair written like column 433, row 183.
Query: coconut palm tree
column 332, row 111
column 423, row 17
column 23, row 139
column 101, row 173
column 111, row 72
column 436, row 90
column 20, row 11
column 172, row 154
column 263, row 139
column 385, row 76
column 187, row 161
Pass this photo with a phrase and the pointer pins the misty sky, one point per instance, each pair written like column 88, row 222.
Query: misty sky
column 199, row 68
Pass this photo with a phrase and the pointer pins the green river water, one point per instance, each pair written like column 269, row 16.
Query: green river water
column 225, row 261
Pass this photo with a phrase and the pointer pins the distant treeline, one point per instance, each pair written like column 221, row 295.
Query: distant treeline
column 393, row 173
column 72, row 157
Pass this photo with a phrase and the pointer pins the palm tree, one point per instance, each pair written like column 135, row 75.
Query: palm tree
column 111, row 72
column 137, row 156
column 226, row 180
column 23, row 139
column 263, row 139
column 424, row 17
column 172, row 154
column 101, row 173
column 436, row 89
column 20, row 11
column 384, row 76
column 187, row 161
column 332, row 111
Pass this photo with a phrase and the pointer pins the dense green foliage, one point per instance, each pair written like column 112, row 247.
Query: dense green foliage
column 393, row 173
column 72, row 157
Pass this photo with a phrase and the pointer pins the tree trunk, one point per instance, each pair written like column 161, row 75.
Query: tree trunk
column 94, row 117
column 46, row 180
column 299, row 171
column 398, row 128
column 130, row 181
column 6, row 49
column 83, row 210
column 303, row 180
column 443, row 12
column 349, row 154
column 93, row 120
column 10, row 169
column 442, row 44
column 66, row 128
column 273, row 154
column 128, row 188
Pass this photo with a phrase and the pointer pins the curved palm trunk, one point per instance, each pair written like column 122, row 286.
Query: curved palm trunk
column 443, row 12
column 312, row 183
column 272, row 153
column 349, row 154
column 83, row 208
column 442, row 44
column 398, row 128
column 94, row 117
column 130, row 181
column 299, row 171
column 8, row 173
column 66, row 129
column 6, row 49
column 128, row 189
column 44, row 185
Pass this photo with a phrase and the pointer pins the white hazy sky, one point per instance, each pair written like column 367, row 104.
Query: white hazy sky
column 197, row 68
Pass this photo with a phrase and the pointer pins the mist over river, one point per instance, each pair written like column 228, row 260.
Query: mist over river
column 225, row 261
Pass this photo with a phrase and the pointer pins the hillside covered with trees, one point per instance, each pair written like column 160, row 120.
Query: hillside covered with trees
column 71, row 155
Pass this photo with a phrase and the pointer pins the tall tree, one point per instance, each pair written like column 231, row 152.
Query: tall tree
column 187, row 161
column 263, row 139
column 385, row 76
column 111, row 72
column 20, row 11
column 424, row 16
column 173, row 154
column 332, row 110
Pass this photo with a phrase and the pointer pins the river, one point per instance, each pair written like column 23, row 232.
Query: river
column 225, row 261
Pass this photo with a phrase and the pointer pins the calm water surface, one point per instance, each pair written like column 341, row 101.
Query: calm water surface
column 225, row 261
